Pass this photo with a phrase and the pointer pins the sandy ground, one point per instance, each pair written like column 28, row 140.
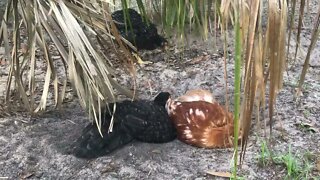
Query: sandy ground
column 36, row 147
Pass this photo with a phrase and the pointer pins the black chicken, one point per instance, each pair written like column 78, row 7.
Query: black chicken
column 142, row 120
column 142, row 35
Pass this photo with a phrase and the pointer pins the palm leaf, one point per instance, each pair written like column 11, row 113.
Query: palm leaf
column 314, row 38
column 52, row 22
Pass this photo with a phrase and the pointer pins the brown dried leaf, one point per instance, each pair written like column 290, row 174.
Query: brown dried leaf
column 275, row 46
column 318, row 164
column 199, row 59
column 26, row 175
column 219, row 173
column 3, row 61
column 314, row 38
column 252, row 59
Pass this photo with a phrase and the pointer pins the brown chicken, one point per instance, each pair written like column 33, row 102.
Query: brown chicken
column 197, row 95
column 200, row 121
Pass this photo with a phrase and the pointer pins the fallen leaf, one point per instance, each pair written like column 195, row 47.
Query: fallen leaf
column 318, row 164
column 26, row 175
column 219, row 174
column 199, row 59
column 307, row 126
column 157, row 151
column 3, row 61
column 298, row 92
column 24, row 48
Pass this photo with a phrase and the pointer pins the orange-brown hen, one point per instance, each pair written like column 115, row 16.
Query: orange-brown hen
column 200, row 121
column 197, row 95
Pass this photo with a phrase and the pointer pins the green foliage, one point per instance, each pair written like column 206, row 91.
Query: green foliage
column 290, row 162
column 176, row 15
column 237, row 83
column 297, row 166
column 264, row 156
column 237, row 178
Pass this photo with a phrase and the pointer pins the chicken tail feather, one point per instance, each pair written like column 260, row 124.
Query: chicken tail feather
column 92, row 145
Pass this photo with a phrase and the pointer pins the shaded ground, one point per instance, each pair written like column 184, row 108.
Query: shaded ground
column 36, row 148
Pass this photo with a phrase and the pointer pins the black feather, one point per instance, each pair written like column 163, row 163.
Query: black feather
column 142, row 120
column 92, row 145
column 142, row 35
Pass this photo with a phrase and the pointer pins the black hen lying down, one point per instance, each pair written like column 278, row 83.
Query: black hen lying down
column 142, row 120
column 142, row 36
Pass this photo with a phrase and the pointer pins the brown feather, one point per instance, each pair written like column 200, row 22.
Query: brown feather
column 197, row 95
column 201, row 123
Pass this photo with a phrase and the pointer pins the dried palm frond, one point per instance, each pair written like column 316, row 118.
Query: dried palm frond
column 291, row 24
column 275, row 50
column 251, row 67
column 300, row 24
column 314, row 38
column 270, row 50
column 52, row 28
